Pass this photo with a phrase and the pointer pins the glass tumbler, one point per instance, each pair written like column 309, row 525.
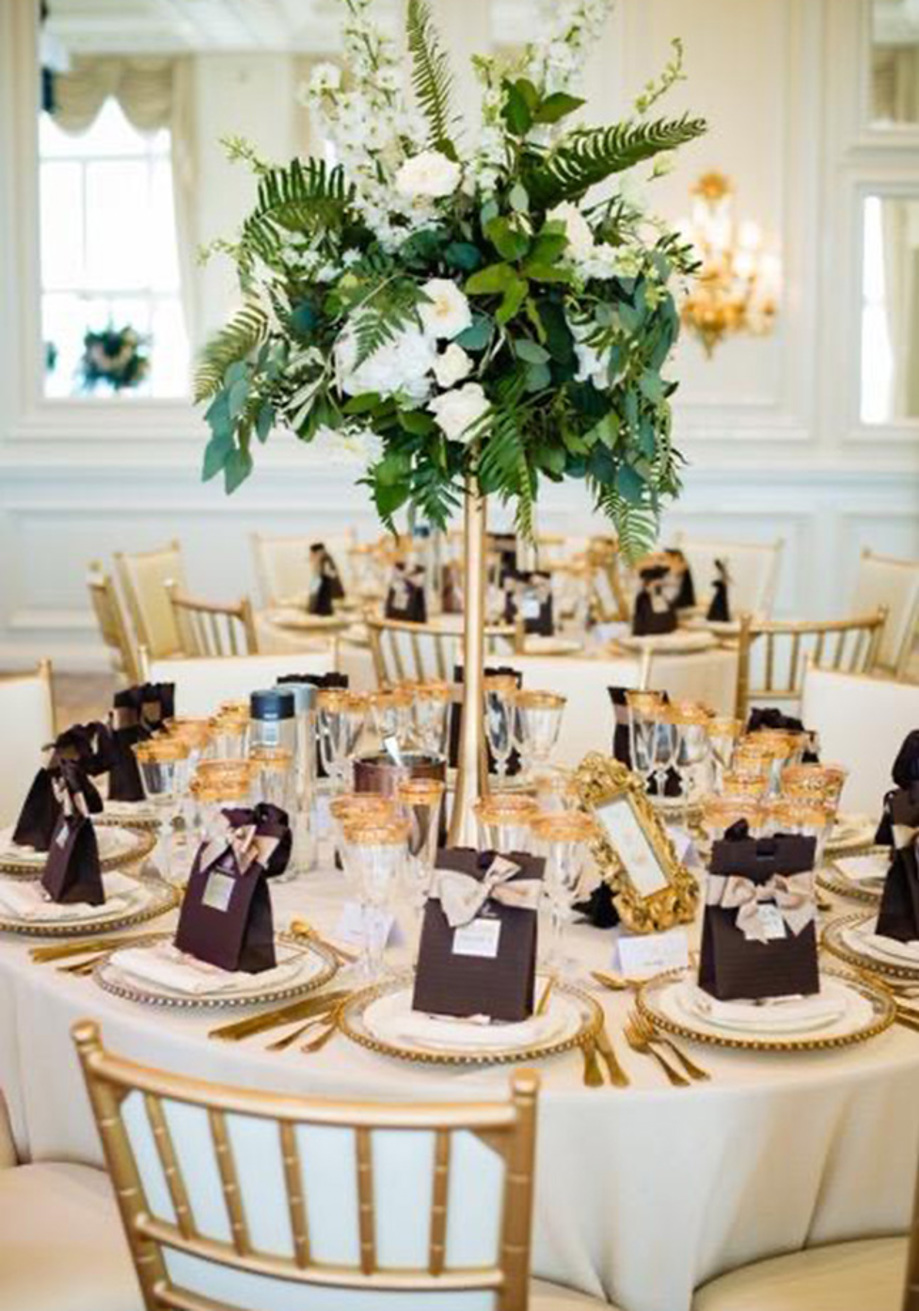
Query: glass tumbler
column 504, row 822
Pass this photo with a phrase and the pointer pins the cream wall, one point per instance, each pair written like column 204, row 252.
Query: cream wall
column 770, row 426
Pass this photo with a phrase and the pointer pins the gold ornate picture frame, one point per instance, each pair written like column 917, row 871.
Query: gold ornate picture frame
column 652, row 890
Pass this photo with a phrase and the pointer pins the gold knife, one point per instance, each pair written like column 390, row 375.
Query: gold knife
column 296, row 1010
column 60, row 951
column 605, row 1047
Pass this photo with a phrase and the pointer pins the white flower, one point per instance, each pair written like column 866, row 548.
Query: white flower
column 400, row 367
column 428, row 174
column 447, row 312
column 456, row 411
column 325, row 77
column 591, row 366
column 452, row 366
column 577, row 229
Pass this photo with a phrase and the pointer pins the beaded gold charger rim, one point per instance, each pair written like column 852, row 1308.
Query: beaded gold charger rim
column 165, row 898
column 147, row 997
column 882, row 1003
column 144, row 823
column 831, row 879
column 31, row 867
column 857, row 844
column 831, row 940
column 591, row 1023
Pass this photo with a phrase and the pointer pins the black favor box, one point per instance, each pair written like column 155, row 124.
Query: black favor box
column 72, row 871
column 898, row 916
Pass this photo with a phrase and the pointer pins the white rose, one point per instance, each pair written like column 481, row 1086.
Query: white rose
column 447, row 312
column 452, row 366
column 325, row 77
column 591, row 366
column 401, row 366
column 456, row 411
column 428, row 174
column 577, row 229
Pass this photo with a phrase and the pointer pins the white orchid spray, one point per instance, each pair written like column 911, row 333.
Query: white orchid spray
column 461, row 309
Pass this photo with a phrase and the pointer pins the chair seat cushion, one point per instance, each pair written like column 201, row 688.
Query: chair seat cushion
column 868, row 1275
column 62, row 1246
column 555, row 1297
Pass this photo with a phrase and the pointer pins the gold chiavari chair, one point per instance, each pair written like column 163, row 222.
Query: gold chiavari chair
column 418, row 652
column 113, row 626
column 607, row 590
column 207, row 628
column 282, row 563
column 783, row 646
column 237, row 1198
column 143, row 576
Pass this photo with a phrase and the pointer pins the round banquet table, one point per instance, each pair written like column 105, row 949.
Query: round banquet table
column 641, row 1193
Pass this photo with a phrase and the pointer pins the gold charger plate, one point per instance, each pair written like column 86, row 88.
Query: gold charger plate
column 164, row 897
column 327, row 967
column 350, row 1022
column 858, row 840
column 832, row 940
column 882, row 1005
column 138, row 815
column 30, row 864
column 834, row 880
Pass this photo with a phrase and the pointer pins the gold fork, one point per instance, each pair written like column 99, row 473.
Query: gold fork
column 280, row 1044
column 640, row 1044
column 303, row 929
column 652, row 1034
column 593, row 1075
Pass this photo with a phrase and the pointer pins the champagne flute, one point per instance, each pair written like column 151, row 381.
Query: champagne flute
column 391, row 709
column 421, row 801
column 665, row 748
column 377, row 849
column 500, row 690
column 340, row 721
column 723, row 732
column 564, row 840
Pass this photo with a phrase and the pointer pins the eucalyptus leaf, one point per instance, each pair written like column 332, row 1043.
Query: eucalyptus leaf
column 264, row 422
column 538, row 377
column 463, row 255
column 237, row 397
column 556, row 107
column 216, row 454
column 236, row 469
column 477, row 336
column 530, row 351
column 519, row 198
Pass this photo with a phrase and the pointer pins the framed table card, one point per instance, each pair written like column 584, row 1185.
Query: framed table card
column 652, row 890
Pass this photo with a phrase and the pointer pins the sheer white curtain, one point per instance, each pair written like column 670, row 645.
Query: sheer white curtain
column 153, row 93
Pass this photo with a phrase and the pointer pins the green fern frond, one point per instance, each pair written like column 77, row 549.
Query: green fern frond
column 306, row 197
column 431, row 75
column 503, row 463
column 636, row 526
column 244, row 332
column 586, row 157
column 382, row 315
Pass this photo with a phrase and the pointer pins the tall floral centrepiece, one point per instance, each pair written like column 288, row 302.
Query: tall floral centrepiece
column 474, row 311
column 458, row 304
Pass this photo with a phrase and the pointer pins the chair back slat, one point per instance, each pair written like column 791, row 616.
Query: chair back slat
column 113, row 627
column 206, row 628
column 787, row 645
column 228, row 1176
column 144, row 576
column 403, row 650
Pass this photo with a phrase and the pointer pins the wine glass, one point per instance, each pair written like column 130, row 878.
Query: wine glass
column 723, row 732
column 643, row 708
column 421, row 801
column 431, row 710
column 340, row 718
column 767, row 752
column 160, row 763
column 813, row 781
column 352, row 806
column 807, row 818
column 748, row 783
column 537, row 722
column 504, row 821
column 720, row 813
column 693, row 749
column 391, row 710
column 500, row 690
column 665, row 748
column 557, row 791
column 376, row 851
column 564, row 840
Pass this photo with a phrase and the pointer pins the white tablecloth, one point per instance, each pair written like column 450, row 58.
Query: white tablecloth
column 641, row 1195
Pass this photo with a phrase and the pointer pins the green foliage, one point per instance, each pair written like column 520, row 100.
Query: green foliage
column 390, row 308
column 431, row 75
column 673, row 72
column 245, row 331
column 305, row 197
column 587, row 157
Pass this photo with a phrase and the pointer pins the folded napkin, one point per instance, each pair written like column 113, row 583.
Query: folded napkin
column 29, row 901
column 773, row 1015
column 390, row 1019
column 865, row 869
column 906, row 953
column 110, row 841
column 164, row 966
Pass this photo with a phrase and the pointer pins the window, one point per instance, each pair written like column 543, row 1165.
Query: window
column 109, row 250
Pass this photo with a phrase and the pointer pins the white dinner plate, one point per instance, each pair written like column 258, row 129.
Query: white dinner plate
column 117, row 846
column 862, row 938
column 536, row 644
column 25, row 908
column 680, row 642
column 720, row 627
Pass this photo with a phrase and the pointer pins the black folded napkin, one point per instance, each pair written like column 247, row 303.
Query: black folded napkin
column 759, row 928
column 653, row 613
column 81, row 747
column 405, row 599
column 905, row 774
column 528, row 593
column 226, row 916
column 72, row 872
column 679, row 567
column 719, row 611
column 484, row 964
column 898, row 916
column 325, row 581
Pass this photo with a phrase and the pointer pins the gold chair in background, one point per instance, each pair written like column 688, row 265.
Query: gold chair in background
column 404, row 650
column 850, row 645
column 113, row 626
column 282, row 563
column 884, row 580
column 233, row 1197
column 208, row 628
column 143, row 576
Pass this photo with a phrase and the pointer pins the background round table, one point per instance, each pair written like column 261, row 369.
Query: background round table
column 642, row 1193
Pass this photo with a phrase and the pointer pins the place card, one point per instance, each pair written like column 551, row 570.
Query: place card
column 480, row 938
column 647, row 954
column 359, row 926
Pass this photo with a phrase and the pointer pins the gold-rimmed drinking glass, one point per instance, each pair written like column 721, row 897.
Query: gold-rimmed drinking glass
column 499, row 691
column 340, row 719
column 557, row 791
column 350, row 806
column 644, row 709
column 420, row 801
column 721, row 813
column 805, row 817
column 377, row 850
column 766, row 751
column 815, row 782
column 198, row 736
column 391, row 712
column 563, row 839
column 693, row 749
column 160, row 761
column 431, row 710
column 724, row 732
column 537, row 723
column 231, row 734
column 504, row 821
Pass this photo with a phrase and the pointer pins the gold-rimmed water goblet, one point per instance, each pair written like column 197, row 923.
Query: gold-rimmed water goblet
column 643, row 710
column 693, row 750
column 499, row 692
column 231, row 733
column 537, row 723
column 160, row 762
column 349, row 806
column 340, row 719
column 504, row 821
column 724, row 732
column 391, row 712
column 421, row 801
column 431, row 710
column 377, row 849
column 564, row 840
column 721, row 813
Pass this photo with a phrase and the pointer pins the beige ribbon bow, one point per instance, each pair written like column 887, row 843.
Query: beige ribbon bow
column 904, row 836
column 247, row 844
column 793, row 895
column 462, row 896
